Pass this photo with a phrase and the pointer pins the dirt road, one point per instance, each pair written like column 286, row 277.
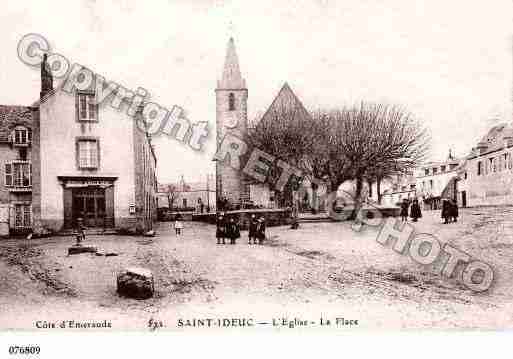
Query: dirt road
column 321, row 270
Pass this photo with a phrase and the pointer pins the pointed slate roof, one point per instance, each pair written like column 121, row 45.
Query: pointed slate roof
column 286, row 100
column 232, row 78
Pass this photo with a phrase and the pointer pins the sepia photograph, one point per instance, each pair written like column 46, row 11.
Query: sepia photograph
column 240, row 166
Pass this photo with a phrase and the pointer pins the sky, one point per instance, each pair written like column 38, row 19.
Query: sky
column 448, row 62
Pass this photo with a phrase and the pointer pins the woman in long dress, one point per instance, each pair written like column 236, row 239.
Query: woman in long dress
column 415, row 211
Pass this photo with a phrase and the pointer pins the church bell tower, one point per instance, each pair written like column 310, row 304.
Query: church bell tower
column 231, row 117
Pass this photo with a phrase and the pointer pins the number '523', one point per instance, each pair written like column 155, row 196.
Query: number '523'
column 34, row 349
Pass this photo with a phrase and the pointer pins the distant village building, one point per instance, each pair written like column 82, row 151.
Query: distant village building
column 90, row 162
column 398, row 188
column 437, row 180
column 191, row 196
column 488, row 176
column 15, row 169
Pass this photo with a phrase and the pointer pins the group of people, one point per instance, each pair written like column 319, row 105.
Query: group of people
column 228, row 228
column 414, row 209
column 449, row 210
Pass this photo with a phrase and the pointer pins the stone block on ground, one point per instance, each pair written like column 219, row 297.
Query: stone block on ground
column 77, row 249
column 135, row 282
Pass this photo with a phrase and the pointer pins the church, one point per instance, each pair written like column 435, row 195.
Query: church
column 232, row 119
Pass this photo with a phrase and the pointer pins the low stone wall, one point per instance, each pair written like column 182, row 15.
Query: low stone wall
column 367, row 212
column 273, row 217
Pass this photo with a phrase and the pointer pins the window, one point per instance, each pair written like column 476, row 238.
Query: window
column 184, row 202
column 86, row 107
column 493, row 166
column 479, row 168
column 435, row 170
column 465, row 175
column 8, row 174
column 443, row 169
column 88, row 153
column 231, row 102
column 18, row 174
column 22, row 215
column 505, row 161
column 510, row 162
column 453, row 166
column 431, row 184
column 22, row 136
column 427, row 171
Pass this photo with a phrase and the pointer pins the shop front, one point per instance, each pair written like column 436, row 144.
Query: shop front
column 89, row 198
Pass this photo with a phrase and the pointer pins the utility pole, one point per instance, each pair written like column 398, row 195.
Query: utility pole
column 208, row 192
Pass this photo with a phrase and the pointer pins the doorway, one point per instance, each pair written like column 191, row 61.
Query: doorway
column 89, row 204
column 464, row 198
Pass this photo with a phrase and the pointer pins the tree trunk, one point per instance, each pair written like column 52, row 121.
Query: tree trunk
column 378, row 189
column 315, row 198
column 369, row 183
column 358, row 196
column 359, row 188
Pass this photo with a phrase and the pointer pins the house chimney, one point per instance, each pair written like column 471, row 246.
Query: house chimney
column 481, row 147
column 46, row 78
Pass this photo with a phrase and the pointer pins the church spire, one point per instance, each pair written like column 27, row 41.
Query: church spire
column 232, row 78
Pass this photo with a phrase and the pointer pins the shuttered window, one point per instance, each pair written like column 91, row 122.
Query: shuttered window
column 8, row 174
column 18, row 174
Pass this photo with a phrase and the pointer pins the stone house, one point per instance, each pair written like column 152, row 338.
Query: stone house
column 487, row 179
column 437, row 180
column 16, row 169
column 91, row 162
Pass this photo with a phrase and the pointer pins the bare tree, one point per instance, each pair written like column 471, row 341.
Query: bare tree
column 378, row 140
column 284, row 132
column 368, row 142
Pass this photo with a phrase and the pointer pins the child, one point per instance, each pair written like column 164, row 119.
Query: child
column 453, row 210
column 232, row 231
column 252, row 232
column 404, row 210
column 178, row 224
column 261, row 230
column 221, row 229
column 446, row 211
column 80, row 230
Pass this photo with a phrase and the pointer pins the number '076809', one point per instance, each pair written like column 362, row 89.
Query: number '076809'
column 24, row 350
